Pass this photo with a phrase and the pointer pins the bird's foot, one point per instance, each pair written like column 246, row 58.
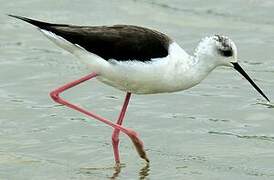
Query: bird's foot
column 139, row 146
column 117, row 166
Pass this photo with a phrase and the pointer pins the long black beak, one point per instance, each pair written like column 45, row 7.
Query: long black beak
column 240, row 70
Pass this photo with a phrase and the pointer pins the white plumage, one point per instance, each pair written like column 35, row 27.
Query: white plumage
column 176, row 72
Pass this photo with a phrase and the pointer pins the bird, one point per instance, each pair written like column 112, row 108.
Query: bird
column 137, row 60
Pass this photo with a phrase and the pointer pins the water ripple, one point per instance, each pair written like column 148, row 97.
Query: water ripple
column 256, row 137
column 267, row 104
column 144, row 172
column 212, row 12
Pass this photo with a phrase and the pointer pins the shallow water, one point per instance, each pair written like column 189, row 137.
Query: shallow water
column 221, row 129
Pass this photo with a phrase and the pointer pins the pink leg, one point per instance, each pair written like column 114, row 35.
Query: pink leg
column 132, row 134
column 115, row 134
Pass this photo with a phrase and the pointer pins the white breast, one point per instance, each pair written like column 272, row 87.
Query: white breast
column 175, row 72
column 168, row 74
column 160, row 75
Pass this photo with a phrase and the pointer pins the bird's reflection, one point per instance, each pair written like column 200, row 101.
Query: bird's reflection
column 143, row 173
column 117, row 170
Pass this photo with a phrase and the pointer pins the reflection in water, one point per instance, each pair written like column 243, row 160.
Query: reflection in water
column 267, row 104
column 144, row 172
column 92, row 171
column 117, row 170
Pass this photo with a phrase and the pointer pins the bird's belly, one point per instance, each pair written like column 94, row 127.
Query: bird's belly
column 137, row 87
column 145, row 83
column 144, row 78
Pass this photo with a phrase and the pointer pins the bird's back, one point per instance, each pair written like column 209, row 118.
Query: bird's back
column 119, row 42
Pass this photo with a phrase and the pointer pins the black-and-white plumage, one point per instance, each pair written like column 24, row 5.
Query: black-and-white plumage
column 119, row 55
column 119, row 42
column 137, row 60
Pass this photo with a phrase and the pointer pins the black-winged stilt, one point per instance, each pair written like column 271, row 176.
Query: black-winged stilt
column 137, row 60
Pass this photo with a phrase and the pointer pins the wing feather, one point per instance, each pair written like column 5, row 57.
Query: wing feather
column 119, row 42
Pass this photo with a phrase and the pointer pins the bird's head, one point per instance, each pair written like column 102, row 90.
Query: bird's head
column 219, row 50
column 225, row 49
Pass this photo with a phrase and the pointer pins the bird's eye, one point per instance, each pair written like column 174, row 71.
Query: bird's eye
column 226, row 53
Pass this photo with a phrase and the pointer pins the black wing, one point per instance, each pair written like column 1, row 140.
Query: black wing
column 119, row 42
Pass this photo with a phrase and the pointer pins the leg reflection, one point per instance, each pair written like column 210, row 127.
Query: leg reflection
column 117, row 170
column 144, row 172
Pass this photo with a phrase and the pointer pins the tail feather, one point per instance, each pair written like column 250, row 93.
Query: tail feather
column 46, row 29
column 39, row 24
column 50, row 30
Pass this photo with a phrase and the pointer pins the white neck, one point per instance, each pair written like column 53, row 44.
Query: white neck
column 191, row 70
column 205, row 58
column 203, row 65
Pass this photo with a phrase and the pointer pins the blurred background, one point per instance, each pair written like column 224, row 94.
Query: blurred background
column 220, row 129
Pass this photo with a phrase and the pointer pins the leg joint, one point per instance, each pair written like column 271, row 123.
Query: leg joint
column 55, row 96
